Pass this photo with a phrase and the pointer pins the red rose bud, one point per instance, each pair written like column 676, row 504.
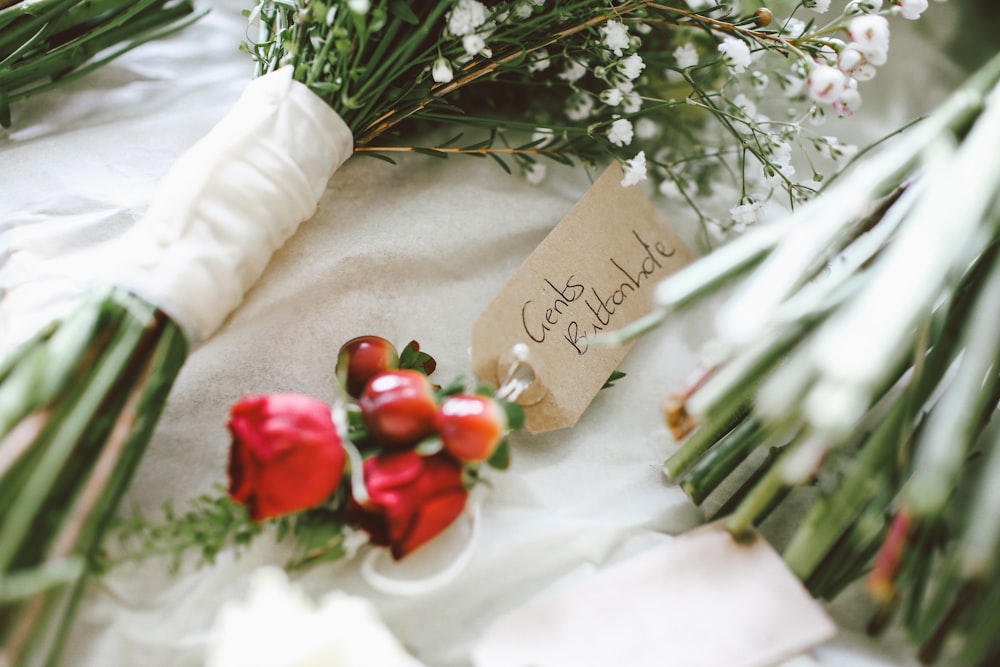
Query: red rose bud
column 471, row 427
column 411, row 499
column 286, row 454
column 362, row 358
column 398, row 407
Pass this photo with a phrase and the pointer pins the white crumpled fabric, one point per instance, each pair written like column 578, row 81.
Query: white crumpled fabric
column 412, row 251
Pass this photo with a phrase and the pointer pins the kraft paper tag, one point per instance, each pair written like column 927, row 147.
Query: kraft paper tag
column 700, row 600
column 594, row 272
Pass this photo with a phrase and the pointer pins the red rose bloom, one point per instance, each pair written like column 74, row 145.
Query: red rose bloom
column 411, row 498
column 286, row 454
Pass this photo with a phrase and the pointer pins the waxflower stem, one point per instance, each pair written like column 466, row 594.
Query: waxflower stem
column 767, row 488
column 702, row 440
column 722, row 459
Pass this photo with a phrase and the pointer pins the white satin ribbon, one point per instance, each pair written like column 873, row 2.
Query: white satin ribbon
column 231, row 201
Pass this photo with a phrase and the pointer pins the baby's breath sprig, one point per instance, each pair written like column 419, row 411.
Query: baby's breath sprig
column 708, row 102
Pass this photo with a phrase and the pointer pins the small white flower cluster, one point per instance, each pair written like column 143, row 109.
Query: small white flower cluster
column 617, row 70
column 834, row 78
column 473, row 22
column 736, row 54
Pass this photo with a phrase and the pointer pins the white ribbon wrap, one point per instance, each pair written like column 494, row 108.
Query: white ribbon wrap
column 231, row 201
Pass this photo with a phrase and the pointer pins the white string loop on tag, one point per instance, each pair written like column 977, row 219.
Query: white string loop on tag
column 423, row 585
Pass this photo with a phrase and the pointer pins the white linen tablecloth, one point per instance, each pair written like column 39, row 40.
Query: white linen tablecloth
column 412, row 251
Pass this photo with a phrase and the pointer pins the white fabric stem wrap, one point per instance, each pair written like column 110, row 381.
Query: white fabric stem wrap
column 231, row 201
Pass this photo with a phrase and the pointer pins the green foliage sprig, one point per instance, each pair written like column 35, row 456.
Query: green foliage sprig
column 47, row 43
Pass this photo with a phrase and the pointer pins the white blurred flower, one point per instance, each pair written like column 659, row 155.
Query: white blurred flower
column 794, row 27
column 832, row 148
column 522, row 10
column 359, row 6
column 615, row 35
column 736, row 53
column 634, row 170
column 816, row 115
column 474, row 45
column 621, row 131
column 745, row 105
column 646, row 128
column 791, row 85
column 849, row 100
column 612, row 97
column 745, row 214
column 578, row 106
column 466, row 16
column 441, row 71
column 864, row 72
column 535, row 173
column 912, row 9
column 826, row 83
column 686, row 56
column 625, row 85
column 818, row 6
column 780, row 153
column 759, row 80
column 542, row 136
column 870, row 35
column 279, row 626
column 850, row 58
column 574, row 71
column 632, row 102
column 540, row 61
column 631, row 66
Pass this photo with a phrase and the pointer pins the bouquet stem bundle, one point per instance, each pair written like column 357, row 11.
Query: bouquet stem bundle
column 77, row 406
column 47, row 43
column 861, row 352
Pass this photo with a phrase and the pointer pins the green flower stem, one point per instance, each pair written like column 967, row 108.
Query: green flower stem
column 128, row 442
column 831, row 515
column 852, row 553
column 59, row 61
column 41, row 369
column 32, row 18
column 70, row 425
column 961, row 602
column 764, row 502
column 703, row 439
column 982, row 627
column 48, row 43
column 736, row 380
column 766, row 493
column 980, row 540
column 69, row 484
column 723, row 459
column 918, row 577
column 944, row 444
column 26, row 584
